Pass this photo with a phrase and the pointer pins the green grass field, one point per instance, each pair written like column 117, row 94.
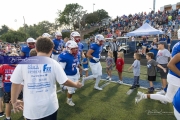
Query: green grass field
column 110, row 104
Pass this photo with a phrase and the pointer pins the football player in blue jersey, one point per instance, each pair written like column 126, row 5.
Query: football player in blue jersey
column 95, row 65
column 75, row 36
column 26, row 49
column 58, row 45
column 173, row 79
column 69, row 61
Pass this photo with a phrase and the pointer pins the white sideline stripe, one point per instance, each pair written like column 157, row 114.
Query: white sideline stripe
column 129, row 91
column 127, row 84
column 58, row 91
column 104, row 85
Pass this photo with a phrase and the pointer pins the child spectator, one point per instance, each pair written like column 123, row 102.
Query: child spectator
column 85, row 63
column 33, row 52
column 6, row 71
column 109, row 65
column 162, row 58
column 151, row 70
column 120, row 66
column 136, row 70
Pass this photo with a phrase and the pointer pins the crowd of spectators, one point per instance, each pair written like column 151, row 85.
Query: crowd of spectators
column 167, row 21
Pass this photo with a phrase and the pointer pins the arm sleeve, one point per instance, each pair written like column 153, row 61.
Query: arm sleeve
column 154, row 63
column 92, row 47
column 60, row 74
column 167, row 53
column 135, row 64
column 1, row 70
column 17, row 76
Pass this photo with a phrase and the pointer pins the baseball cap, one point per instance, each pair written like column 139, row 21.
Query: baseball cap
column 162, row 42
column 30, row 40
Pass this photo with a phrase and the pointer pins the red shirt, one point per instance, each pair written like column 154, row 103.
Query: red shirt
column 119, row 64
column 6, row 72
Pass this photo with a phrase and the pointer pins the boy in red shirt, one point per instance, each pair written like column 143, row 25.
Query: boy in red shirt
column 6, row 72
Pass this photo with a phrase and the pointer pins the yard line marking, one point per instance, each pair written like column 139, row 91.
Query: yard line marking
column 105, row 85
column 58, row 91
column 129, row 91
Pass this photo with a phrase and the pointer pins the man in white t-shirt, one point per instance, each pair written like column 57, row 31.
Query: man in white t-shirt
column 39, row 75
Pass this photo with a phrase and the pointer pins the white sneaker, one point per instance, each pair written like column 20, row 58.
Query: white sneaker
column 70, row 103
column 162, row 92
column 140, row 96
column 110, row 79
column 120, row 82
column 163, row 102
column 98, row 88
column 82, row 82
column 107, row 77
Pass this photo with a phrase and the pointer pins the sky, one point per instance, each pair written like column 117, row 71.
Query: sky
column 34, row 11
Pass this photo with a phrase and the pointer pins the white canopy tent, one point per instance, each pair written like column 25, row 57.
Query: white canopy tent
column 145, row 29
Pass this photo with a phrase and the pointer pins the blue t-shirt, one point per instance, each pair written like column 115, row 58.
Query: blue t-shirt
column 71, row 63
column 58, row 45
column 175, row 50
column 26, row 51
column 176, row 100
column 86, row 64
column 97, row 51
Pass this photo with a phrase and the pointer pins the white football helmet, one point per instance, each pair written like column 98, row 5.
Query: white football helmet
column 58, row 34
column 99, row 39
column 46, row 35
column 70, row 45
column 75, row 36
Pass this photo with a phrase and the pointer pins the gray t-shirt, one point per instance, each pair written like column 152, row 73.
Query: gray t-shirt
column 163, row 56
column 151, row 67
column 109, row 61
column 136, row 68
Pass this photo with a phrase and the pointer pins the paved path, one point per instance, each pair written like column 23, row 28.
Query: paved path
column 129, row 81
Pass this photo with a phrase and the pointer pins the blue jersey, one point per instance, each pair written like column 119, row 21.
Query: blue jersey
column 176, row 100
column 86, row 64
column 175, row 50
column 97, row 51
column 80, row 47
column 58, row 45
column 71, row 63
column 26, row 51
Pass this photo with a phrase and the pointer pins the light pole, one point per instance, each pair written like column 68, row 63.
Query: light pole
column 15, row 22
column 93, row 7
column 24, row 25
column 154, row 4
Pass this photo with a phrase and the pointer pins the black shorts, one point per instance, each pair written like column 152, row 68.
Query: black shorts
column 151, row 78
column 50, row 117
column 162, row 73
column 7, row 96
